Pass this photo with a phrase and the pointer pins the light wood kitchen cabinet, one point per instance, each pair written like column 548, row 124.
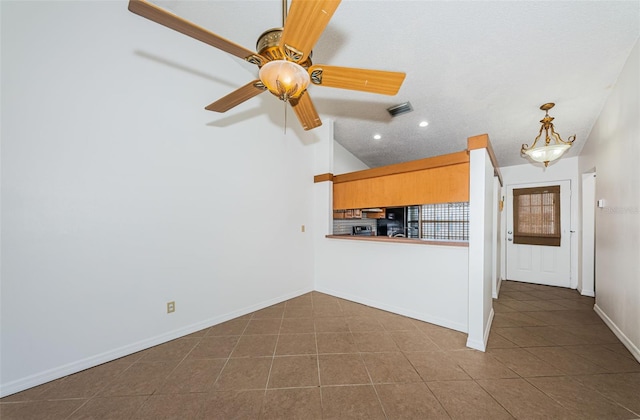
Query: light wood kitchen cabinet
column 347, row 214
column 439, row 179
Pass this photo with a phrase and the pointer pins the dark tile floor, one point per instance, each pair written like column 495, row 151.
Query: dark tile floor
column 316, row 356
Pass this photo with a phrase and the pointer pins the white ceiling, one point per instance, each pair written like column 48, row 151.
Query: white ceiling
column 472, row 67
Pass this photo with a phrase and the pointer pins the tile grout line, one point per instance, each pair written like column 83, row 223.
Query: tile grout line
column 96, row 394
column 226, row 362
column 373, row 385
column 495, row 399
column 273, row 356
column 169, row 374
column 315, row 336
column 365, row 366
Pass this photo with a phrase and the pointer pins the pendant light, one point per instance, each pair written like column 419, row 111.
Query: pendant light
column 548, row 151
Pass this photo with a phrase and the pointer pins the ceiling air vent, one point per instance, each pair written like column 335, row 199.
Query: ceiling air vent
column 400, row 109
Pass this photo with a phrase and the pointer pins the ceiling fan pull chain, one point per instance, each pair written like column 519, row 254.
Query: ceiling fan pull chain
column 285, row 117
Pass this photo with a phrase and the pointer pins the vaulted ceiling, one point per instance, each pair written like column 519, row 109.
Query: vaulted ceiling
column 472, row 67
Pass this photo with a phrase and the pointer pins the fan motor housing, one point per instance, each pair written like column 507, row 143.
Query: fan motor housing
column 268, row 46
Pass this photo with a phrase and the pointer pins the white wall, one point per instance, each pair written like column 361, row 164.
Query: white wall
column 563, row 169
column 481, row 248
column 120, row 193
column 613, row 150
column 426, row 282
column 344, row 161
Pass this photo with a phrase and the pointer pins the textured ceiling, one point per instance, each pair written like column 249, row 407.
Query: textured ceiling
column 472, row 67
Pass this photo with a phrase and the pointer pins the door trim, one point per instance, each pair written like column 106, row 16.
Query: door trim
column 588, row 234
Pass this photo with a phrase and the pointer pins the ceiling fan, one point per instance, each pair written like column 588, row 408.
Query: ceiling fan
column 284, row 58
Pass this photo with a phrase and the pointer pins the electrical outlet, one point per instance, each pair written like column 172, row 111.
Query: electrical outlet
column 171, row 307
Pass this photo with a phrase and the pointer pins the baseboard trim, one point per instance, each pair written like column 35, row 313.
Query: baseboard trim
column 590, row 293
column 498, row 285
column 633, row 349
column 482, row 345
column 108, row 356
column 420, row 316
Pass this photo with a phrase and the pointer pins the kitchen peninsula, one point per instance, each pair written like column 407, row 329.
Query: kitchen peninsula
column 448, row 283
column 399, row 240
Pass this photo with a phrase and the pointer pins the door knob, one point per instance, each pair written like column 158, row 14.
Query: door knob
column 509, row 239
column 509, row 232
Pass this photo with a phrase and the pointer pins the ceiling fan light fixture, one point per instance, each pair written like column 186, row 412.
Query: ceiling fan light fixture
column 284, row 79
column 548, row 151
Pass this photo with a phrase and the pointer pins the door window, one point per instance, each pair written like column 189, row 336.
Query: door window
column 536, row 216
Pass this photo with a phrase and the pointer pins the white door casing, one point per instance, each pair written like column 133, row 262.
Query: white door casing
column 540, row 264
column 587, row 287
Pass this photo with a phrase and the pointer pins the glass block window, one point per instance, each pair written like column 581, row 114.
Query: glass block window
column 413, row 221
column 447, row 221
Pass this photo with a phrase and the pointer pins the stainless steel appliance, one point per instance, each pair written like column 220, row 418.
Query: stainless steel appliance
column 393, row 224
column 364, row 230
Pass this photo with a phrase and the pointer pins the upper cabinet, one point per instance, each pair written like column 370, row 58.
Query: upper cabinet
column 347, row 214
column 360, row 214
column 440, row 179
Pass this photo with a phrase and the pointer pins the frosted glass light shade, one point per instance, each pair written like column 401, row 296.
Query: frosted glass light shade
column 546, row 154
column 284, row 79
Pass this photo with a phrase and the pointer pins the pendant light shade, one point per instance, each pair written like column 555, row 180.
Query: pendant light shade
column 546, row 154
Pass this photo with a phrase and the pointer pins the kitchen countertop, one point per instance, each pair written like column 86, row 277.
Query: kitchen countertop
column 399, row 240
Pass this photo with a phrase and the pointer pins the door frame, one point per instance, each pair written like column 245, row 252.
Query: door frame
column 588, row 263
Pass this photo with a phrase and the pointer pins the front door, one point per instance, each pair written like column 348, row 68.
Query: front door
column 541, row 264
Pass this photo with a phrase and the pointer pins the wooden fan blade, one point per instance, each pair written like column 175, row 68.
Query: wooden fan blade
column 237, row 97
column 305, row 111
column 305, row 22
column 152, row 12
column 374, row 81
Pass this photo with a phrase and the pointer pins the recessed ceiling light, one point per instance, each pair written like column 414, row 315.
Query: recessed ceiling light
column 377, row 136
column 423, row 124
